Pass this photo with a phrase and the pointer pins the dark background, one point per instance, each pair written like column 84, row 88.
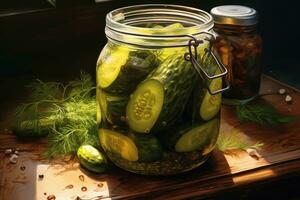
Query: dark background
column 57, row 39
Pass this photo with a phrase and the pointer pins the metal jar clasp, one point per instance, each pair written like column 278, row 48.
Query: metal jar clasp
column 192, row 45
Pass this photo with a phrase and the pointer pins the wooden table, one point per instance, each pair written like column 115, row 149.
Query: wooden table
column 225, row 176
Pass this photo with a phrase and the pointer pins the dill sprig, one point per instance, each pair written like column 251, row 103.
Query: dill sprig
column 80, row 128
column 67, row 112
column 261, row 114
column 233, row 140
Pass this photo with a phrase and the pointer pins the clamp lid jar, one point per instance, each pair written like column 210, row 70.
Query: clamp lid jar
column 158, row 89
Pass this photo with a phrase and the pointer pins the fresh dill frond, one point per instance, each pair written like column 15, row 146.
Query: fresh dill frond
column 36, row 119
column 233, row 139
column 67, row 112
column 67, row 139
column 45, row 91
column 82, row 88
column 261, row 114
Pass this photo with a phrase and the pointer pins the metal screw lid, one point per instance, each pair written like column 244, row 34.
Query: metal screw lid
column 234, row 15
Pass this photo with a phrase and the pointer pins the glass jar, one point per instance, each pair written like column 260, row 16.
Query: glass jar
column 239, row 46
column 158, row 89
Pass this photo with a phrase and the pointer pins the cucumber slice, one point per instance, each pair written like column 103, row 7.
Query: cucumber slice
column 145, row 106
column 197, row 137
column 157, row 26
column 119, row 144
column 121, row 78
column 166, row 52
column 110, row 67
column 174, row 26
column 101, row 100
column 98, row 113
column 211, row 104
column 160, row 99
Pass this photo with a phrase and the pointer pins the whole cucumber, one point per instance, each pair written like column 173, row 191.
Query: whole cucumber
column 91, row 158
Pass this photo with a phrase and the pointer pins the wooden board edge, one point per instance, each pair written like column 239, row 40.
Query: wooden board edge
column 281, row 83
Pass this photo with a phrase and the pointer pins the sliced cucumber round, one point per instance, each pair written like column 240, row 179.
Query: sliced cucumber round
column 211, row 104
column 98, row 113
column 145, row 105
column 110, row 67
column 197, row 137
column 101, row 100
column 118, row 144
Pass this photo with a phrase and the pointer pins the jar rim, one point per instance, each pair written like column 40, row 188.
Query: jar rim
column 122, row 24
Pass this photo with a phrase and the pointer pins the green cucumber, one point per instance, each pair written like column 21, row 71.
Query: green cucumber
column 101, row 100
column 109, row 68
column 174, row 26
column 160, row 99
column 33, row 128
column 166, row 52
column 119, row 144
column 91, row 159
column 131, row 147
column 113, row 107
column 149, row 148
column 111, row 111
column 98, row 113
column 205, row 105
column 123, row 69
column 211, row 104
column 157, row 26
column 145, row 105
column 191, row 138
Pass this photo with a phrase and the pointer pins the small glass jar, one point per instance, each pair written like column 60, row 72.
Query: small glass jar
column 240, row 47
column 158, row 89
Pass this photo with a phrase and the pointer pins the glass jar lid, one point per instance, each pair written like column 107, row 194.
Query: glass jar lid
column 234, row 15
column 131, row 25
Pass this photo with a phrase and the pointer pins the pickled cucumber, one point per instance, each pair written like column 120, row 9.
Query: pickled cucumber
column 113, row 108
column 174, row 26
column 131, row 147
column 191, row 138
column 145, row 106
column 149, row 148
column 91, row 159
column 166, row 52
column 121, row 70
column 118, row 144
column 98, row 113
column 211, row 104
column 110, row 67
column 160, row 100
column 29, row 129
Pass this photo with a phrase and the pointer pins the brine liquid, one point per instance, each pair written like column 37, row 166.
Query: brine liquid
column 130, row 149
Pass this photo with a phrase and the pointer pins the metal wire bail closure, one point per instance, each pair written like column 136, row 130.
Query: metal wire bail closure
column 192, row 45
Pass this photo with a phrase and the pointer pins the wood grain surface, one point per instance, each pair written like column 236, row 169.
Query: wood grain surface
column 234, row 175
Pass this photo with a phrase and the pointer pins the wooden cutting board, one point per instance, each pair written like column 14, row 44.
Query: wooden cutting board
column 236, row 173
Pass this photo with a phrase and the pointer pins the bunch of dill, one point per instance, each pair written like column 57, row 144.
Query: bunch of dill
column 64, row 112
column 261, row 114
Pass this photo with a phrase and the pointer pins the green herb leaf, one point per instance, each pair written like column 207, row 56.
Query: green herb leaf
column 233, row 140
column 66, row 111
column 261, row 114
